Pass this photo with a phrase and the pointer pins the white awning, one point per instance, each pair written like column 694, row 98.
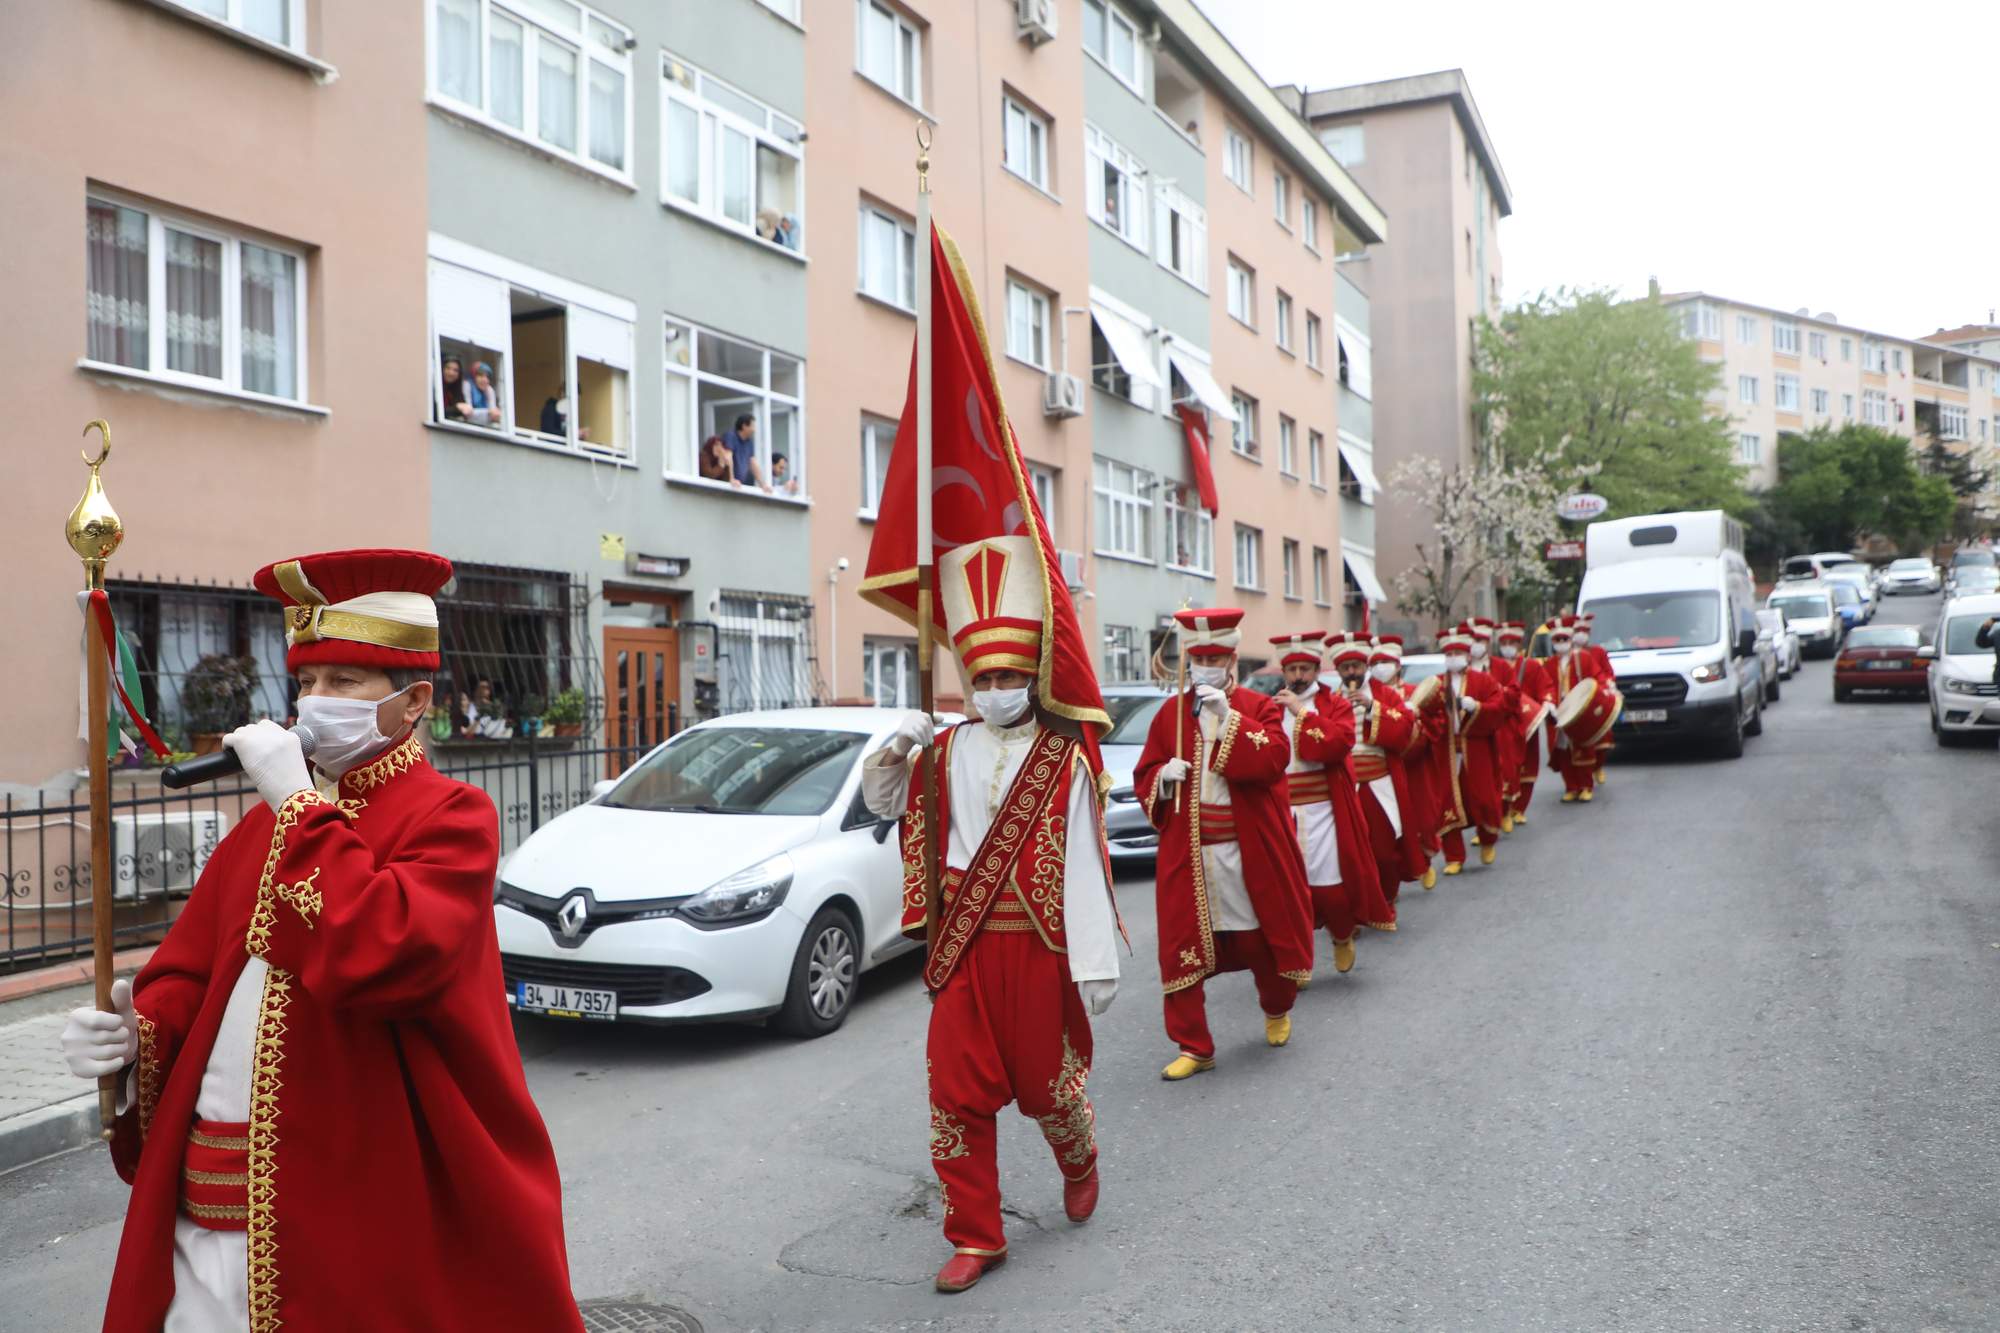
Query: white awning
column 1360, row 465
column 1205, row 388
column 1129, row 345
column 1363, row 569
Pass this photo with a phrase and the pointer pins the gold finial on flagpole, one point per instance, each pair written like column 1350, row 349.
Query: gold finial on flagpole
column 93, row 529
column 923, row 157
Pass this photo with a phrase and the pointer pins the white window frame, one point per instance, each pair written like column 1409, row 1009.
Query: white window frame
column 1181, row 506
column 1785, row 337
column 1816, row 344
column 1954, row 421
column 1309, row 223
column 535, row 29
column 1243, row 439
column 1288, row 447
column 875, row 431
column 1785, row 393
column 1315, row 341
column 1874, row 357
column 1847, row 349
column 1037, row 134
column 1116, row 17
column 1316, row 459
column 906, row 33
column 1746, row 330
column 1847, row 406
column 1284, row 320
column 1359, row 348
column 898, row 657
column 788, row 10
column 1820, row 402
column 158, row 223
column 1322, row 566
column 1126, row 510
column 777, row 132
column 1749, row 449
column 1174, row 212
column 1281, row 199
column 1239, row 159
column 1042, row 481
column 1288, row 558
column 1248, row 573
column 1746, row 389
column 1874, row 407
column 1242, row 293
column 1100, row 151
column 765, row 396
column 232, row 19
column 1039, row 308
column 869, row 216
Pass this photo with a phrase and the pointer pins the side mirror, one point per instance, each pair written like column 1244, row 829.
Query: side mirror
column 1746, row 643
column 1929, row 650
column 882, row 827
column 602, row 788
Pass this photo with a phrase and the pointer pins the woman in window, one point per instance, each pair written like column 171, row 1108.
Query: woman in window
column 456, row 406
column 717, row 463
column 484, row 400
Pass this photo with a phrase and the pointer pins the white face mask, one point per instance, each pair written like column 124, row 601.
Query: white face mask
column 1214, row 676
column 344, row 730
column 1001, row 708
column 1509, row 651
column 1478, row 649
column 1456, row 661
column 1582, row 637
column 1562, row 649
column 1383, row 671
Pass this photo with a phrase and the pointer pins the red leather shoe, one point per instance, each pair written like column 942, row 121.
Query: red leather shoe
column 1080, row 1197
column 964, row 1270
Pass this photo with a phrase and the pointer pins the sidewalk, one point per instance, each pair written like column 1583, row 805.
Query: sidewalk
column 44, row 1108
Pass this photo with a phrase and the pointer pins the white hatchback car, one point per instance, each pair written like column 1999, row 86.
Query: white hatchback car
column 732, row 873
column 1964, row 700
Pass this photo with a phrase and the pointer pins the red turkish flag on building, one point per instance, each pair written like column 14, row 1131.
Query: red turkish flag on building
column 979, row 490
column 1196, row 426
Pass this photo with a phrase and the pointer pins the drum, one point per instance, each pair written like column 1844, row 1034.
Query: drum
column 1587, row 712
column 1370, row 762
column 1428, row 694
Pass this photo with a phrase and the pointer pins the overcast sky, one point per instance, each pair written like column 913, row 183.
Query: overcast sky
column 1835, row 155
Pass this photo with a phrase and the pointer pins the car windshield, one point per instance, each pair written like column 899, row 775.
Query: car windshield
column 1960, row 559
column 1960, row 633
column 1116, row 706
column 1884, row 636
column 742, row 771
column 1656, row 620
column 1802, row 606
column 1771, row 622
column 1978, row 578
column 1800, row 567
column 1416, row 672
column 1910, row 566
column 1845, row 594
column 1131, row 729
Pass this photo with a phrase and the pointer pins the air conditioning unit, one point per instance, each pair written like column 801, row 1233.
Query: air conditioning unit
column 1072, row 568
column 1035, row 21
column 1062, row 396
column 159, row 852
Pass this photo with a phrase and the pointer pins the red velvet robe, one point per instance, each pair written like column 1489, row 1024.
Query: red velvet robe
column 400, row 1176
column 1507, row 745
column 1565, row 674
column 1251, row 754
column 1391, row 727
column 1471, row 733
column 1420, row 767
column 1532, row 678
column 1332, row 717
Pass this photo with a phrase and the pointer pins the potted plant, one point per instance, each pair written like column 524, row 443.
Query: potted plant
column 217, row 694
column 532, row 716
column 565, row 712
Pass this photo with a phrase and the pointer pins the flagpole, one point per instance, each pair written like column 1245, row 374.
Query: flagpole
column 94, row 532
column 926, row 565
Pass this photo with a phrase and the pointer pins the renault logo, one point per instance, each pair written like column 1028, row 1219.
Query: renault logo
column 573, row 915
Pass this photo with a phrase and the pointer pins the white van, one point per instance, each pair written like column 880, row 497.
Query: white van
column 1676, row 610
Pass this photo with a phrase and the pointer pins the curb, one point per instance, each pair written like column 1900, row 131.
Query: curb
column 48, row 1130
column 21, row 985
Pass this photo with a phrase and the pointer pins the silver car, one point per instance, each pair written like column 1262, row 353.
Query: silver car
column 1778, row 646
column 1914, row 574
column 1808, row 608
column 1964, row 700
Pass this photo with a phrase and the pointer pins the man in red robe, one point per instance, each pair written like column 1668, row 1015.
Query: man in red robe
column 1384, row 724
column 1340, row 874
column 1473, row 709
column 1569, row 668
column 1532, row 681
column 1599, row 664
column 1487, row 661
column 1421, row 818
column 325, row 1123
column 1024, row 949
column 1229, row 880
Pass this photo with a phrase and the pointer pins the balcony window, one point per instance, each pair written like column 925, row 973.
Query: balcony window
column 889, row 50
column 1244, row 439
column 713, row 382
column 1124, row 510
column 1024, row 142
column 556, row 74
column 1249, row 558
column 1190, row 532
column 1242, row 292
column 1027, row 324
column 1182, row 228
column 729, row 158
column 1785, row 337
column 1115, row 186
column 1785, row 393
column 1953, row 421
column 878, row 439
column 888, row 260
column 1111, row 36
column 1701, row 320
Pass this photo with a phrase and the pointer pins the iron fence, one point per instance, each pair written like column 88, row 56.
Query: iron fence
column 161, row 840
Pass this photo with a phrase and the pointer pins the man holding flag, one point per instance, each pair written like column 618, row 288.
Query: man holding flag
column 1020, row 924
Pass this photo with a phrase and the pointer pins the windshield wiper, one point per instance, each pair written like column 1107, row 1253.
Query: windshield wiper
column 706, row 810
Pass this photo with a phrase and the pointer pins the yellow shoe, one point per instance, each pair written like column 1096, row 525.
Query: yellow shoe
column 1568, row 796
column 1306, row 985
column 1586, row 795
column 1430, row 880
column 1487, row 853
column 1600, row 777
column 1521, row 820
column 1343, row 955
column 1278, row 1031
column 1185, row 1066
column 1453, row 867
column 1506, row 823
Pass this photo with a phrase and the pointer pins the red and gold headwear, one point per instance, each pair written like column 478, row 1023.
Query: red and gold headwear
column 371, row 608
column 1209, row 631
column 1561, row 627
column 1388, row 648
column 1480, row 627
column 1347, row 646
column 1301, row 647
column 1511, row 631
column 992, row 595
column 1458, row 637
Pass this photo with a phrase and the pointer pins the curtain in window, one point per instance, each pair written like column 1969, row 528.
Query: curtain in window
column 504, row 50
column 115, row 259
column 607, row 116
column 270, row 322
column 269, row 19
column 194, row 304
column 556, row 94
column 458, row 50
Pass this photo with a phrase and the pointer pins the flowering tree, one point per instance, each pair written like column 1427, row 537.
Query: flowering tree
column 1491, row 522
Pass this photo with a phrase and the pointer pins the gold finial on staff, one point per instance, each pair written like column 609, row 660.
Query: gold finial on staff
column 923, row 157
column 93, row 529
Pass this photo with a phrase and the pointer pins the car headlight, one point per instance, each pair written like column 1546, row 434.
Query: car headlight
column 1959, row 685
column 1709, row 672
column 744, row 896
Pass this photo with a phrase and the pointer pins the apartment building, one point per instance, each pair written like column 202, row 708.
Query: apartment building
column 1977, row 339
column 237, row 287
column 1359, row 484
column 1421, row 150
column 1783, row 373
column 1150, row 229
column 618, row 244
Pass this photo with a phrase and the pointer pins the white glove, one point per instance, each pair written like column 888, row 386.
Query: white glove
column 272, row 759
column 95, row 1043
column 1213, row 701
column 1468, row 703
column 912, row 733
column 1174, row 771
column 1098, row 995
column 1562, row 741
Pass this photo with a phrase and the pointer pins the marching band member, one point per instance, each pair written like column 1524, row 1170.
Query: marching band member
column 1472, row 709
column 1506, row 760
column 1600, row 663
column 1229, row 878
column 1532, row 680
column 1385, row 723
column 1569, row 668
column 1421, row 818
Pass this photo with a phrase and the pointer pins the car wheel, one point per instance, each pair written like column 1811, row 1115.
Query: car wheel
column 1756, row 723
column 824, row 973
column 1731, row 746
column 1775, row 687
column 1840, row 694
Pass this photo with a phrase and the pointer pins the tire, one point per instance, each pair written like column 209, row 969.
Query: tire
column 1731, row 746
column 1947, row 740
column 1755, row 726
column 825, row 971
column 1840, row 694
column 1775, row 688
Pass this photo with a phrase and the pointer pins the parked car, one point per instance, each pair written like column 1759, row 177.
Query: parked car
column 1974, row 581
column 1809, row 609
column 1849, row 603
column 1420, row 667
column 1880, row 657
column 1965, row 560
column 1767, row 655
column 1964, row 702
column 1809, row 568
column 1854, row 576
column 1130, row 836
column 731, row 873
column 1123, row 698
column 1914, row 574
column 1784, row 642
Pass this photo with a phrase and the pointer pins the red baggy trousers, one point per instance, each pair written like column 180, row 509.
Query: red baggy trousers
column 1235, row 951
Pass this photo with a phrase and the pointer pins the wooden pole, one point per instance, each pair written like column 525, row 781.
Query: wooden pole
column 926, row 563
column 1180, row 720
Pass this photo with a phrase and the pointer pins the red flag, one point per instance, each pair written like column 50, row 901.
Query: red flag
column 1196, row 426
column 979, row 489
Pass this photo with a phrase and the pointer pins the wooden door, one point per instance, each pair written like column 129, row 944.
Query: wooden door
column 642, row 691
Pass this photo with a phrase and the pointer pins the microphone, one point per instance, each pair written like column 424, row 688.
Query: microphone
column 209, row 767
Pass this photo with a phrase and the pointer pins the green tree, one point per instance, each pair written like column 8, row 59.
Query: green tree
column 1618, row 383
column 1837, row 487
column 1958, row 470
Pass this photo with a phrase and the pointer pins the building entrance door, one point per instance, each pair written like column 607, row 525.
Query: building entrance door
column 642, row 692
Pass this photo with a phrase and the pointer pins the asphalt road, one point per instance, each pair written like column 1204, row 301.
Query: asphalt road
column 1720, row 1050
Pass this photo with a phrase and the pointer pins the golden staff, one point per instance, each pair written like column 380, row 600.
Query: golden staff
column 927, row 816
column 94, row 533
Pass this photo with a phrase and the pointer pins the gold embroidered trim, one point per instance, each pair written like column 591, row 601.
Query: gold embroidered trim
column 1259, row 739
column 233, row 1143
column 195, row 1177
column 149, row 1073
column 302, row 895
column 947, row 1135
column 1224, row 742
column 1301, row 976
column 1071, row 1128
column 266, row 1067
column 219, row 1212
column 1204, row 935
column 984, row 1254
column 399, row 760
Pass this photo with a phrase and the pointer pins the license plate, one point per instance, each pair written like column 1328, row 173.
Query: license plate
column 535, row 997
column 1645, row 715
column 1887, row 666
